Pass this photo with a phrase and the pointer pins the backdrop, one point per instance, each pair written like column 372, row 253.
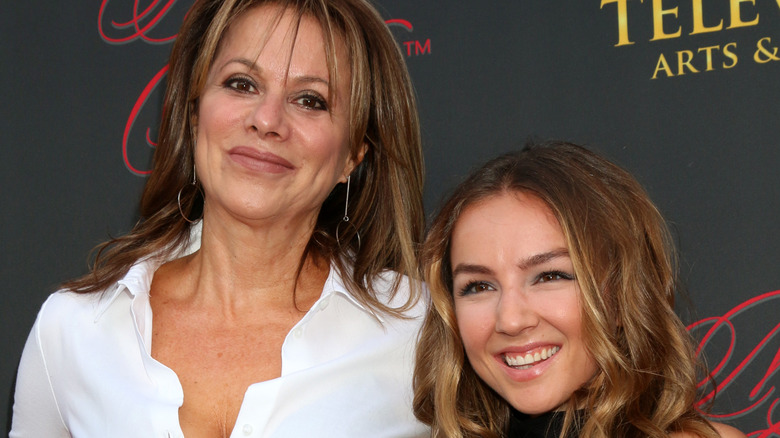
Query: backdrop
column 684, row 93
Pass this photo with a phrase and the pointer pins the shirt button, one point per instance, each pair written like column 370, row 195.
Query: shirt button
column 298, row 332
column 247, row 429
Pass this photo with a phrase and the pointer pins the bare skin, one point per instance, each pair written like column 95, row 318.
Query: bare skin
column 219, row 347
column 723, row 430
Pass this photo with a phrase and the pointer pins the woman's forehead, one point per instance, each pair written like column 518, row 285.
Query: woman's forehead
column 273, row 32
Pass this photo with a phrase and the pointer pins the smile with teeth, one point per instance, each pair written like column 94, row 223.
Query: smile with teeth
column 525, row 361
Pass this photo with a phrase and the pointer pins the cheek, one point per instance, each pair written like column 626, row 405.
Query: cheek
column 329, row 144
column 569, row 321
column 218, row 117
column 564, row 311
column 475, row 325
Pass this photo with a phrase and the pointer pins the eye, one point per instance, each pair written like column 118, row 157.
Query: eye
column 549, row 276
column 241, row 84
column 312, row 101
column 476, row 287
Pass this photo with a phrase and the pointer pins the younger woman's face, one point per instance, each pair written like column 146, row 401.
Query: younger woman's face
column 517, row 302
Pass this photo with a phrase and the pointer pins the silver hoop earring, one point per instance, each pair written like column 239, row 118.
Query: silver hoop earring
column 194, row 186
column 345, row 219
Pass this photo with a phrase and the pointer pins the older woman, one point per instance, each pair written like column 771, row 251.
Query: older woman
column 270, row 288
column 552, row 284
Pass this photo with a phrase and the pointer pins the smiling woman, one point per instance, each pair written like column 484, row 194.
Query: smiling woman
column 552, row 307
column 517, row 302
column 271, row 288
column 272, row 131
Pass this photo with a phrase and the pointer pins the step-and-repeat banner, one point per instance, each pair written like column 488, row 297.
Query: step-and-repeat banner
column 684, row 93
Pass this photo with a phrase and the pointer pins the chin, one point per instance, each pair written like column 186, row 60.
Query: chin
column 540, row 408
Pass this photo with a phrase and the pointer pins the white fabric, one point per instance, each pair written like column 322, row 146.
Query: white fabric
column 86, row 370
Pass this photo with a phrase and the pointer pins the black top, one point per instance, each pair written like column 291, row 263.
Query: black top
column 547, row 425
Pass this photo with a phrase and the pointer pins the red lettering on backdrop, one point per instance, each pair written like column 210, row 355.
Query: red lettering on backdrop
column 137, row 27
column 773, row 429
column 134, row 114
column 401, row 22
column 138, row 31
column 761, row 392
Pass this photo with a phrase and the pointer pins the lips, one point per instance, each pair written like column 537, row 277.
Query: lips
column 259, row 161
column 527, row 360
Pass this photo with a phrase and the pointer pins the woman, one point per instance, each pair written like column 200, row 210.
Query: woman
column 552, row 272
column 290, row 307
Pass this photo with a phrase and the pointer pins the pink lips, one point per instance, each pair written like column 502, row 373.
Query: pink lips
column 259, row 161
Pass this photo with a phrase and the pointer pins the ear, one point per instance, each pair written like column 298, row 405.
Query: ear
column 353, row 162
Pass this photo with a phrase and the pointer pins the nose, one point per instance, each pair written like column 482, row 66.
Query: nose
column 268, row 118
column 515, row 313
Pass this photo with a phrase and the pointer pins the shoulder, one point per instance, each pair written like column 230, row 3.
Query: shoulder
column 385, row 290
column 396, row 290
column 62, row 315
column 68, row 317
column 65, row 305
column 724, row 430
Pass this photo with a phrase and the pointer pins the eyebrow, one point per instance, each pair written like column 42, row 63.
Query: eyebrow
column 534, row 260
column 544, row 257
column 306, row 79
column 465, row 268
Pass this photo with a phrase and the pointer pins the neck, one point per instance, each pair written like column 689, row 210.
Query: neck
column 241, row 266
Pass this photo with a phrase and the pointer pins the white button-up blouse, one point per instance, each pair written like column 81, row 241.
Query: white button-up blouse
column 86, row 370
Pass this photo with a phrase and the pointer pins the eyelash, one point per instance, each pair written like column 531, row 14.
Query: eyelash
column 318, row 103
column 245, row 85
column 557, row 275
column 469, row 288
column 544, row 277
column 234, row 82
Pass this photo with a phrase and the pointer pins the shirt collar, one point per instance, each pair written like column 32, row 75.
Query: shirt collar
column 138, row 279
column 335, row 285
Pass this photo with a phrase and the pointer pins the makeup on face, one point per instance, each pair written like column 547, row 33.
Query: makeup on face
column 273, row 126
column 517, row 302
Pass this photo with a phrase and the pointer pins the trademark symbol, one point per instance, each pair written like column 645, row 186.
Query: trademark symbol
column 417, row 48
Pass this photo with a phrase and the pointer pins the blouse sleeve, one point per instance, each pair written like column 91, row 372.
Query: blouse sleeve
column 35, row 411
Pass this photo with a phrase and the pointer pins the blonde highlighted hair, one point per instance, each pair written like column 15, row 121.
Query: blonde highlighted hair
column 624, row 262
column 386, row 188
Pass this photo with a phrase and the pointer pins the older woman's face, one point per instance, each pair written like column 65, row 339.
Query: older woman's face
column 517, row 302
column 272, row 142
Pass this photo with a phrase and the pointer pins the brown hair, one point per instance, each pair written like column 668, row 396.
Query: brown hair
column 624, row 262
column 386, row 188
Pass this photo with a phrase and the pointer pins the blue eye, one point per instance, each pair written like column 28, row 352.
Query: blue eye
column 476, row 287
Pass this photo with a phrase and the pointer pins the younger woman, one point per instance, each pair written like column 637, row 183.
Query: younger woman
column 552, row 281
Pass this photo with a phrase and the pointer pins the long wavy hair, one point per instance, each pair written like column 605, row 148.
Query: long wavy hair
column 625, row 264
column 386, row 188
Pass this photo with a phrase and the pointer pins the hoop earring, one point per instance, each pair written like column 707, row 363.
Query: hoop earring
column 194, row 184
column 345, row 219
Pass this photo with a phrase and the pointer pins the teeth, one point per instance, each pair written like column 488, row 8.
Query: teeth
column 529, row 360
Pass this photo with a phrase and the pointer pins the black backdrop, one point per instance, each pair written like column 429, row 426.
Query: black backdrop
column 684, row 93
